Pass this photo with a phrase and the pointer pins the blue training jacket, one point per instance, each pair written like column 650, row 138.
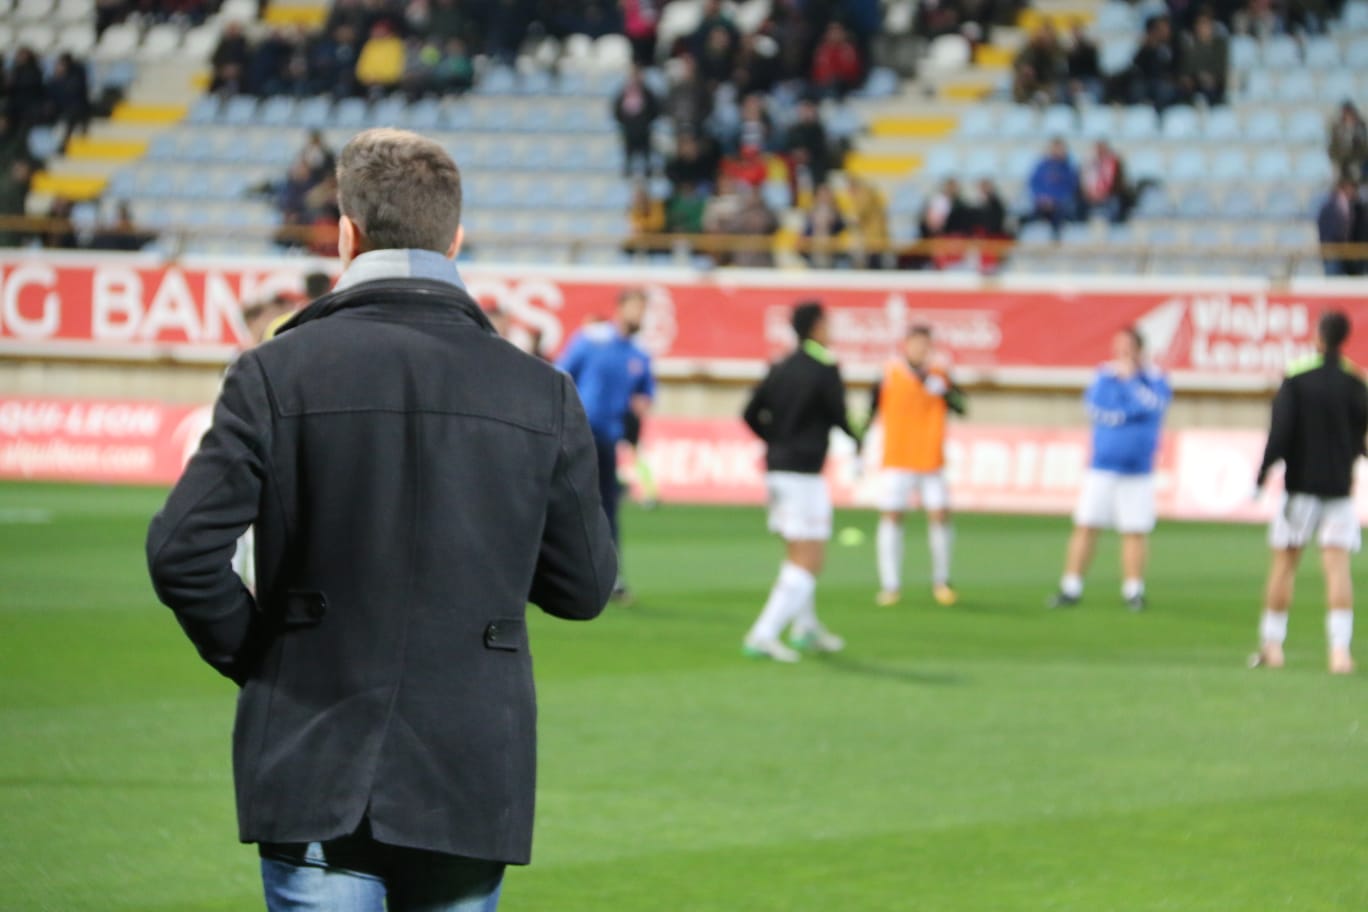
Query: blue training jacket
column 1126, row 417
column 608, row 370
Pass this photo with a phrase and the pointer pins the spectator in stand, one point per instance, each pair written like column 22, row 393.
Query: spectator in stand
column 1204, row 61
column 869, row 211
column 109, row 12
column 122, row 234
column 1154, row 71
column 704, row 36
column 446, row 20
column 717, row 57
column 454, row 73
column 645, row 217
column 688, row 165
column 635, row 109
column 420, row 59
column 1039, row 67
column 722, row 209
column 1083, row 67
column 331, row 60
column 746, row 167
column 380, row 65
column 688, row 101
column 290, row 200
column 69, row 94
column 759, row 67
column 807, row 144
column 13, row 142
column 1335, row 224
column 60, row 231
column 684, row 209
column 1348, row 141
column 1054, row 188
column 639, row 19
column 1103, row 184
column 754, row 220
column 945, row 213
column 266, row 60
column 14, row 191
column 823, row 226
column 229, row 61
column 28, row 101
column 990, row 215
column 836, row 67
column 756, row 127
column 317, row 157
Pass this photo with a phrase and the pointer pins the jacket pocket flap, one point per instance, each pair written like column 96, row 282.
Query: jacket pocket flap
column 304, row 608
column 506, row 634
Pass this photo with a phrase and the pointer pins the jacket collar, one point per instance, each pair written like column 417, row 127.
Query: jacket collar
column 398, row 298
column 399, row 264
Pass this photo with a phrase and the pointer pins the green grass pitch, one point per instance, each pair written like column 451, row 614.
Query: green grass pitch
column 992, row 756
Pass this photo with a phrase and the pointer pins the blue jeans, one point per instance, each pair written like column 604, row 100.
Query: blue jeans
column 610, row 489
column 358, row 874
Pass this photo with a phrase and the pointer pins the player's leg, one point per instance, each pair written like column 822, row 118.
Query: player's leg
column 610, row 492
column 1135, row 519
column 895, row 490
column 1096, row 510
column 940, row 535
column 1339, row 539
column 790, row 517
column 1293, row 526
column 808, row 633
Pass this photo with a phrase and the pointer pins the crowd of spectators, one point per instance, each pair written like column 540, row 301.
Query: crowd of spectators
column 1343, row 216
column 185, row 12
column 306, row 199
column 1184, row 66
column 32, row 95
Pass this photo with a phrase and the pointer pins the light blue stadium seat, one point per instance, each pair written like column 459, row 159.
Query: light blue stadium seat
column 313, row 113
column 1356, row 54
column 1281, row 53
column 1229, row 165
column 1076, row 234
column 980, row 162
column 978, row 122
column 1116, row 56
column 1181, row 123
column 1116, row 17
column 1146, row 162
column 277, row 111
column 1018, row 122
column 43, row 142
column 1188, row 164
column 1283, row 202
column 1300, row 236
column 882, row 83
column 1059, row 120
column 1020, row 163
column 906, row 199
column 776, row 195
column 498, row 80
column 1138, row 124
column 1260, row 86
column 122, row 185
column 1250, row 236
column 350, row 114
column 845, row 123
column 1194, row 203
column 1322, row 53
column 165, row 147
column 941, row 162
column 1244, row 53
column 536, row 83
column 204, row 110
column 1263, row 126
column 1036, row 234
column 1205, row 236
column 1240, row 204
column 1121, row 235
column 1098, row 123
column 1338, row 85
column 1221, row 124
column 1355, row 17
column 424, row 115
column 1306, row 126
column 1313, row 166
column 388, row 112
column 1270, row 165
column 238, row 111
column 617, row 198
column 1297, row 86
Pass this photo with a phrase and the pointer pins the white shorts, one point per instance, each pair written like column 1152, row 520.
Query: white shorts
column 799, row 506
column 1301, row 516
column 1113, row 501
column 897, row 486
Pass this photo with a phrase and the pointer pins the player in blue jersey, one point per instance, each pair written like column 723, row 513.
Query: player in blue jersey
column 1126, row 403
column 613, row 376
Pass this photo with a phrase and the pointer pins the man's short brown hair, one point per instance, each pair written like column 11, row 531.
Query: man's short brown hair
column 401, row 189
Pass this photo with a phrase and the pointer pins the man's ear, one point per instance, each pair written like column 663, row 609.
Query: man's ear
column 350, row 241
column 456, row 243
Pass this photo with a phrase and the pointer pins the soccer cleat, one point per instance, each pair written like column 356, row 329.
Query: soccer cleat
column 621, row 594
column 887, row 598
column 1063, row 600
column 1136, row 603
column 769, row 649
column 1269, row 656
column 1341, row 663
column 818, row 639
column 944, row 594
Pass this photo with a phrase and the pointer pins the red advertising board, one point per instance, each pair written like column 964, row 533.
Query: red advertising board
column 1223, row 334
column 1201, row 474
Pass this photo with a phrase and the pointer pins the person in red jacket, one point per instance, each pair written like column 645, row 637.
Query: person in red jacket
column 836, row 67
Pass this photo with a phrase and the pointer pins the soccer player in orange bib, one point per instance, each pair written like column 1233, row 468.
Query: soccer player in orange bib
column 912, row 402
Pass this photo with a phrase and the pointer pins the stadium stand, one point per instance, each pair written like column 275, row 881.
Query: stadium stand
column 1216, row 176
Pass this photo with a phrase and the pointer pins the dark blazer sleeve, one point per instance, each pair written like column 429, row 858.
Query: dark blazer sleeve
column 756, row 414
column 1280, row 430
column 190, row 542
column 577, row 567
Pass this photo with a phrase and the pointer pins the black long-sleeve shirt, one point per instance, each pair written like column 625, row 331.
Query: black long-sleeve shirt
column 1320, row 417
column 794, row 409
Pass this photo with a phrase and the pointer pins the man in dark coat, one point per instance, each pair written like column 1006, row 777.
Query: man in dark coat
column 413, row 481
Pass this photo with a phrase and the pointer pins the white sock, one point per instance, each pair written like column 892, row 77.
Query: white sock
column 940, row 536
column 1132, row 588
column 889, row 545
column 792, row 590
column 1273, row 628
column 1339, row 627
column 805, row 621
column 1071, row 584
